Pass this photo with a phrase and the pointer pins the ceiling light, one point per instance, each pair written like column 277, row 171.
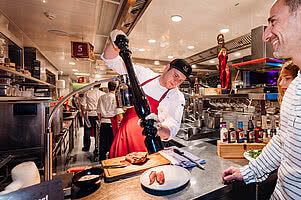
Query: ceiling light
column 71, row 63
column 141, row 49
column 176, row 18
column 169, row 57
column 224, row 30
column 44, row 1
column 163, row 44
column 156, row 62
column 190, row 47
column 212, row 61
column 151, row 41
column 237, row 54
column 75, row 70
column 193, row 66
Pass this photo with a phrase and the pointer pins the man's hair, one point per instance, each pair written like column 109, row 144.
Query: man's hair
column 293, row 4
column 112, row 86
column 97, row 86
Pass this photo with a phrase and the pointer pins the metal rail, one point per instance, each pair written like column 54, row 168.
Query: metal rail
column 48, row 160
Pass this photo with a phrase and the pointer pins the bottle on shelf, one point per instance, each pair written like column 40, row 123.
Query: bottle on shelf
column 224, row 132
column 265, row 125
column 231, row 133
column 273, row 129
column 240, row 133
column 250, row 132
column 258, row 132
column 196, row 86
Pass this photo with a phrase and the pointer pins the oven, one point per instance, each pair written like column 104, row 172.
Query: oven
column 22, row 132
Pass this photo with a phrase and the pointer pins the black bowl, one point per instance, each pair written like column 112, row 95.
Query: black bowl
column 87, row 183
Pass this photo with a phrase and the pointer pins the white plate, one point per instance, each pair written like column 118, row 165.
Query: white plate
column 175, row 177
column 246, row 155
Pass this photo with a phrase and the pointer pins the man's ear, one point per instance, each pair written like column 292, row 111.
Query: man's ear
column 166, row 68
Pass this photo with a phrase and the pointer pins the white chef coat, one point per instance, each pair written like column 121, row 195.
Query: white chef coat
column 90, row 100
column 107, row 107
column 170, row 109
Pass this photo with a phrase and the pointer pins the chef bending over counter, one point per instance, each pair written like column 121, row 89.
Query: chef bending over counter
column 165, row 100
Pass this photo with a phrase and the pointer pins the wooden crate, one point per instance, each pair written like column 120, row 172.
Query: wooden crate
column 212, row 91
column 236, row 150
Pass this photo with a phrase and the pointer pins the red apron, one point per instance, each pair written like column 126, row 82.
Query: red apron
column 129, row 137
column 115, row 124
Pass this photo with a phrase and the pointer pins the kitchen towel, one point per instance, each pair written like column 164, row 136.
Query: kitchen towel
column 179, row 160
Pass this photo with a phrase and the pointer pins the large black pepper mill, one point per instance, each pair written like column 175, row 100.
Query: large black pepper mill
column 142, row 108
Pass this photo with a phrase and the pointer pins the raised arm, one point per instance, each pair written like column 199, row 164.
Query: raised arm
column 111, row 54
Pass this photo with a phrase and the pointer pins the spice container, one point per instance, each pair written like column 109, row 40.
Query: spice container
column 5, row 81
column 5, row 90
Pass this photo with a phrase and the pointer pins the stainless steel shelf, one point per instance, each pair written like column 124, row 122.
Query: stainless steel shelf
column 26, row 76
column 254, row 96
column 224, row 96
column 6, row 99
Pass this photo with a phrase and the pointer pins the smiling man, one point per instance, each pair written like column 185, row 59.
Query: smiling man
column 284, row 150
column 164, row 98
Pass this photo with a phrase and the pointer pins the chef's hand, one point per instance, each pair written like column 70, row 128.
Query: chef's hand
column 111, row 51
column 153, row 116
column 231, row 174
column 114, row 34
column 163, row 132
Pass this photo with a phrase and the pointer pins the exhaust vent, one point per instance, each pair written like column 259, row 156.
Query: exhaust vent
column 132, row 10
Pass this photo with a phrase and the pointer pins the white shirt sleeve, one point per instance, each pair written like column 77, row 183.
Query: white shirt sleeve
column 269, row 160
column 84, row 100
column 170, row 112
column 99, row 106
column 116, row 64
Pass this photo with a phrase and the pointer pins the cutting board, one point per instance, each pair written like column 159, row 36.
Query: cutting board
column 154, row 160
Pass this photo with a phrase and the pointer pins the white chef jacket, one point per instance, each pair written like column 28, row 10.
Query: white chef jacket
column 107, row 107
column 90, row 100
column 170, row 109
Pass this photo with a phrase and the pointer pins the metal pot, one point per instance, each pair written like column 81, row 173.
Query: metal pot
column 197, row 123
column 211, row 122
column 214, row 120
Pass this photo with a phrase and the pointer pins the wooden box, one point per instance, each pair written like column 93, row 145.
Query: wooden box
column 212, row 91
column 236, row 150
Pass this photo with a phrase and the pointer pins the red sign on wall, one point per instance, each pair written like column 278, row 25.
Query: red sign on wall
column 81, row 50
column 81, row 79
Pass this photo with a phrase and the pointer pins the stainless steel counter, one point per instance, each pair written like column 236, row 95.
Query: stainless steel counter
column 204, row 184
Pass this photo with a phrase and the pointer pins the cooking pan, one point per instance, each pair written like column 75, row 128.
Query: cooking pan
column 78, row 180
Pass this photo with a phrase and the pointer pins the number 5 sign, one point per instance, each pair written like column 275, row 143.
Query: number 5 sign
column 81, row 50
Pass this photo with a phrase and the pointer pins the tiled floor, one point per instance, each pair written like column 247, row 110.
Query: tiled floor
column 79, row 157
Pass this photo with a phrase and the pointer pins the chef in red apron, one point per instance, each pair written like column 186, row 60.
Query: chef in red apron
column 161, row 90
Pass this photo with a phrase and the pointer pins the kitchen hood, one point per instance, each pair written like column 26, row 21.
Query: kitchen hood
column 262, row 53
